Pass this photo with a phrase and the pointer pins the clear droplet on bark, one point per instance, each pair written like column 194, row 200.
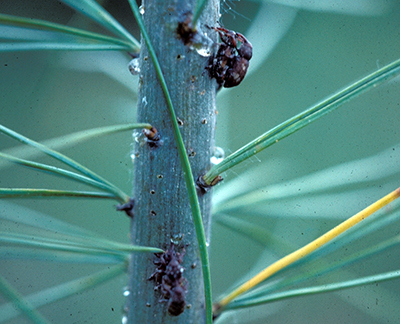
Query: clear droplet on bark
column 177, row 238
column 134, row 66
column 218, row 156
column 126, row 292
column 202, row 43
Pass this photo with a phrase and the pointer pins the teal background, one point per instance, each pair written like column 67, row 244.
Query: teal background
column 49, row 94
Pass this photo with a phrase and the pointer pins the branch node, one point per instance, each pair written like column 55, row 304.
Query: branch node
column 127, row 207
column 153, row 137
column 203, row 186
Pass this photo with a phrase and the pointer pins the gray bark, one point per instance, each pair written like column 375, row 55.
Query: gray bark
column 162, row 208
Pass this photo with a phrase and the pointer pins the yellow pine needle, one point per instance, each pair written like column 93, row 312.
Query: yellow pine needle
column 307, row 249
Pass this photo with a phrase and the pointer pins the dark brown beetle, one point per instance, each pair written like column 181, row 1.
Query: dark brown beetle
column 170, row 281
column 229, row 65
column 177, row 303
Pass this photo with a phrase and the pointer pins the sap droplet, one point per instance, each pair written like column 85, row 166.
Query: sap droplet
column 136, row 136
column 218, row 155
column 126, row 291
column 142, row 9
column 144, row 100
column 202, row 43
column 204, row 51
column 134, row 66
column 207, row 243
column 177, row 238
column 124, row 319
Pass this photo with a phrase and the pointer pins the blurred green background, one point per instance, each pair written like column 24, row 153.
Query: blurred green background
column 49, row 94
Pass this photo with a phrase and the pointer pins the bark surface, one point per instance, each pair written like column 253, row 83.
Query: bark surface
column 162, row 210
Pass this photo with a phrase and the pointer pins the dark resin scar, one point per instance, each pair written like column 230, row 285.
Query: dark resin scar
column 169, row 279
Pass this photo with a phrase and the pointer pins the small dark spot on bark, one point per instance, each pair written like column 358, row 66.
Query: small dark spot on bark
column 180, row 122
column 204, row 121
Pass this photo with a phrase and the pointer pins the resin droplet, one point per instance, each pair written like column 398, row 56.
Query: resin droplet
column 126, row 292
column 202, row 44
column 141, row 10
column 177, row 238
column 136, row 136
column 204, row 51
column 134, row 67
column 218, row 156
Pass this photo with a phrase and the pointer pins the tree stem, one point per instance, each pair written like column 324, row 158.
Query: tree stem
column 162, row 209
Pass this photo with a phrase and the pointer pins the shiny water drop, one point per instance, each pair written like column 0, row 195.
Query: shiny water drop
column 144, row 100
column 136, row 136
column 202, row 43
column 141, row 9
column 134, row 66
column 204, row 51
column 218, row 156
column 124, row 319
column 126, row 291
column 177, row 238
column 207, row 243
